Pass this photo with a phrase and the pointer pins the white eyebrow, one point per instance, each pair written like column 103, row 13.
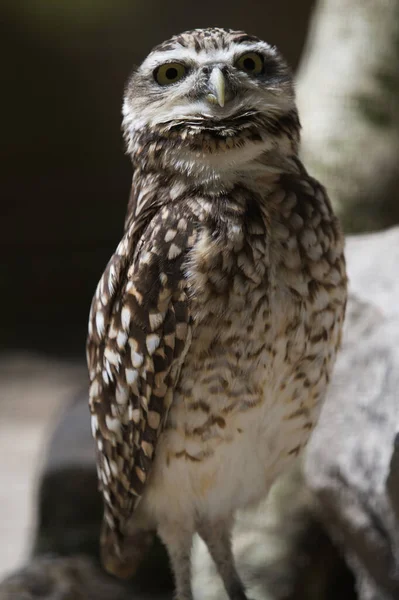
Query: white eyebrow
column 192, row 57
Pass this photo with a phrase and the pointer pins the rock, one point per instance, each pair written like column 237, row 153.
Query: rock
column 69, row 506
column 67, row 578
column 353, row 453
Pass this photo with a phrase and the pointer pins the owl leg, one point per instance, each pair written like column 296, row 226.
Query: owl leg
column 217, row 537
column 178, row 541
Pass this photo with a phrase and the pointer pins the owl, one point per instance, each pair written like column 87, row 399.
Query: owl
column 214, row 328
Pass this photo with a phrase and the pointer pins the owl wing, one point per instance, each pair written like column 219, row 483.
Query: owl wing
column 139, row 330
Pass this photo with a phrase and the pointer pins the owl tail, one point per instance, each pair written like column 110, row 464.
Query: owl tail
column 122, row 555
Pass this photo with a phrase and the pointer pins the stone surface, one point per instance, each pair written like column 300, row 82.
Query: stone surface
column 71, row 578
column 349, row 461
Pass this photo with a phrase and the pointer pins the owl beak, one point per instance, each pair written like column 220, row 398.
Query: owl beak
column 217, row 87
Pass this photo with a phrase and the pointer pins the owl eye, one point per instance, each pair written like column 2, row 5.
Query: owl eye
column 169, row 73
column 251, row 63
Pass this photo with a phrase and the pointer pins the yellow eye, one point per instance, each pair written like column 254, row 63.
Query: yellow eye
column 251, row 63
column 169, row 73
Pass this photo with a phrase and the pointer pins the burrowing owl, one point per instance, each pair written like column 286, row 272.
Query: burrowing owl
column 214, row 328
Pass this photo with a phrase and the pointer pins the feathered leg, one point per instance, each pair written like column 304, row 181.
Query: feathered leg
column 217, row 537
column 178, row 541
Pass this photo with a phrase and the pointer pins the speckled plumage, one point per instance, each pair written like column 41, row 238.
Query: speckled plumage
column 215, row 326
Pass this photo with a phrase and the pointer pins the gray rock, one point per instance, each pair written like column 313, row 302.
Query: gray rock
column 66, row 578
column 352, row 463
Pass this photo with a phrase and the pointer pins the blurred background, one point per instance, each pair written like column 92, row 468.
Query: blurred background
column 65, row 179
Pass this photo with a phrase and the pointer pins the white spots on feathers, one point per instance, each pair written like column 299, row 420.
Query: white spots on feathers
column 182, row 224
column 111, row 279
column 94, row 425
column 174, row 251
column 137, row 359
column 134, row 415
column 237, row 235
column 148, row 448
column 133, row 291
column 121, row 339
column 114, row 468
column 140, row 474
column 152, row 342
column 308, row 238
column 145, row 258
column 112, row 332
column 170, row 235
column 177, row 189
column 109, row 520
column 107, row 471
column 122, row 247
column 108, row 369
column 113, row 424
column 112, row 357
column 125, row 317
column 131, row 376
column 94, row 389
column 156, row 320
column 100, row 324
column 121, row 394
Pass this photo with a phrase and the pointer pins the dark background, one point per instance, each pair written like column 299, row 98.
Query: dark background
column 64, row 174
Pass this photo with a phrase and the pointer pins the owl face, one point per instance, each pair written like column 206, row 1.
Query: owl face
column 210, row 91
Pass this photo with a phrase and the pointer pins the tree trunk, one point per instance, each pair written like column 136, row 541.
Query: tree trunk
column 348, row 95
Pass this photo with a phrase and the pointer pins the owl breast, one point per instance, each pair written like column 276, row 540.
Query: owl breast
column 251, row 385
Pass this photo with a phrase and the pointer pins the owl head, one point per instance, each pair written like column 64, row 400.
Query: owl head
column 210, row 98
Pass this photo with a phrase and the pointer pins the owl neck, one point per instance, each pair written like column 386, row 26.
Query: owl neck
column 152, row 189
column 215, row 174
column 213, row 162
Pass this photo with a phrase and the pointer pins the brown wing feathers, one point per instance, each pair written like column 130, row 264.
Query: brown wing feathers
column 138, row 330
